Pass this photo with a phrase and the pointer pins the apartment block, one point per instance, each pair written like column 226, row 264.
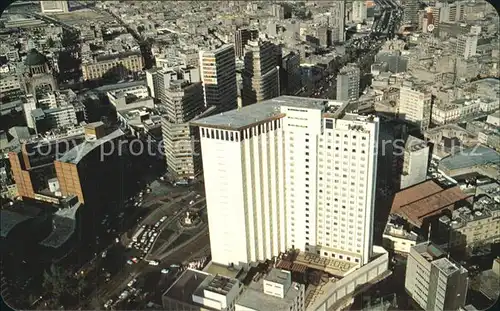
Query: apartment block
column 304, row 178
column 473, row 226
column 415, row 162
column 434, row 281
column 415, row 105
column 348, row 83
column 467, row 46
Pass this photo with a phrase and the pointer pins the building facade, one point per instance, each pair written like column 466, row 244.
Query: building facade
column 433, row 280
column 54, row 6
column 415, row 162
column 121, row 65
column 241, row 38
column 261, row 79
column 295, row 155
column 415, row 106
column 348, row 83
column 218, row 75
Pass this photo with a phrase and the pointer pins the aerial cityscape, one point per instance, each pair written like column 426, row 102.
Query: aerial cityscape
column 250, row 155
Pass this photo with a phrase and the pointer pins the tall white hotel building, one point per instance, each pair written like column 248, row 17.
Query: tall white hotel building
column 289, row 172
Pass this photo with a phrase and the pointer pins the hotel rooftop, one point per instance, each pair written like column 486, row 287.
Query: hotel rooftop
column 271, row 109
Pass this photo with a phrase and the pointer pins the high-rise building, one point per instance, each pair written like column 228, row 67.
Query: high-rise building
column 466, row 46
column 290, row 172
column 348, row 83
column 290, row 77
column 261, row 73
column 54, row 6
column 410, row 12
column 337, row 21
column 183, row 100
column 449, row 12
column 434, row 281
column 241, row 38
column 415, row 105
column 89, row 170
column 218, row 74
column 415, row 162
column 359, row 11
column 324, row 35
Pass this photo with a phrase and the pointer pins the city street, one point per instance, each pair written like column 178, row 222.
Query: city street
column 164, row 200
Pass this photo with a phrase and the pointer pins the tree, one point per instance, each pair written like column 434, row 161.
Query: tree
column 50, row 42
column 62, row 285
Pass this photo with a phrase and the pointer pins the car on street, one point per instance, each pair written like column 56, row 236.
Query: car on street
column 132, row 282
column 154, row 263
column 134, row 259
column 124, row 295
column 130, row 262
column 108, row 303
column 165, row 271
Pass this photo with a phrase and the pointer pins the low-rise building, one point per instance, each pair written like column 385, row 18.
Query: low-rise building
column 434, row 281
column 478, row 159
column 130, row 97
column 397, row 237
column 454, row 111
column 275, row 291
column 195, row 291
column 121, row 65
column 473, row 226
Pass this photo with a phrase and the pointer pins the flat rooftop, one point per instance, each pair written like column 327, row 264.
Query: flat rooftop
column 334, row 266
column 425, row 199
column 255, row 298
column 266, row 110
column 470, row 157
column 446, row 266
column 76, row 154
column 217, row 269
column 429, row 251
column 278, row 276
column 183, row 289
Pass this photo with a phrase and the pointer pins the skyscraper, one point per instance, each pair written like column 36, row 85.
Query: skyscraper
column 261, row 73
column 348, row 83
column 241, row 38
column 183, row 100
column 337, row 21
column 289, row 172
column 218, row 74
